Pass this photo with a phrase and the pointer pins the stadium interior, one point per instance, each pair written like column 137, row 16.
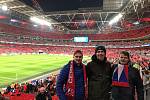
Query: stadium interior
column 42, row 31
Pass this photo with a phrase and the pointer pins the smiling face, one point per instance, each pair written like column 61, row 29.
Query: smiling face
column 100, row 54
column 124, row 59
column 78, row 58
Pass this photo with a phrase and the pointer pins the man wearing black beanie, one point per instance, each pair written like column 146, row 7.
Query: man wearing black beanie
column 99, row 76
column 100, row 48
column 100, row 53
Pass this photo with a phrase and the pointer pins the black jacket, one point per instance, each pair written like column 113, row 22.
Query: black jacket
column 99, row 79
column 135, row 83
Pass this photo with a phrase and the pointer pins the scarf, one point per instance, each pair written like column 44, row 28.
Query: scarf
column 120, row 76
column 70, row 86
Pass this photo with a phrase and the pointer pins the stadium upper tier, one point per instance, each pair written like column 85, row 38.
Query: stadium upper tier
column 133, row 34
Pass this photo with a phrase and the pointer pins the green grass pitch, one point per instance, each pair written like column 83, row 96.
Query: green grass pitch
column 17, row 67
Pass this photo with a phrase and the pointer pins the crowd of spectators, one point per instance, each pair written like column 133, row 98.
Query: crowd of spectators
column 36, row 49
column 124, row 35
column 32, row 89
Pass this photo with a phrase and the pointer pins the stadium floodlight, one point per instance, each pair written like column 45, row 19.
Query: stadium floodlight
column 135, row 0
column 40, row 21
column 136, row 23
column 35, row 25
column 4, row 8
column 13, row 20
column 116, row 19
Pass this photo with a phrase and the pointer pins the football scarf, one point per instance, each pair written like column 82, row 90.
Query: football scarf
column 71, row 83
column 120, row 76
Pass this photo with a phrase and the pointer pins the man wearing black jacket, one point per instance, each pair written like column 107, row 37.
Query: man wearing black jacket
column 99, row 76
column 126, row 80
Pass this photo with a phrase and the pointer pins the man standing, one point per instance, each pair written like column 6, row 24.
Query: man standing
column 99, row 76
column 125, row 79
column 72, row 81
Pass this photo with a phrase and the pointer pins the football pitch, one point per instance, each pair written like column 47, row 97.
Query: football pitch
column 18, row 67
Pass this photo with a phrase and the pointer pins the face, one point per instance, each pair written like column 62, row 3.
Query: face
column 78, row 58
column 100, row 54
column 42, row 90
column 124, row 59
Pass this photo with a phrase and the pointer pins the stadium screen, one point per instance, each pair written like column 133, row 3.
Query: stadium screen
column 81, row 39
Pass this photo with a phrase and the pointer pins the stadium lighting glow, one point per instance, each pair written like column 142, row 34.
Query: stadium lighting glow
column 14, row 20
column 136, row 23
column 40, row 21
column 35, row 25
column 4, row 8
column 116, row 19
column 135, row 0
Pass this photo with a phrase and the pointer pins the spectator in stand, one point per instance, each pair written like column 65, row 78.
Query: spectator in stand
column 3, row 98
column 8, row 89
column 72, row 81
column 125, row 79
column 43, row 94
column 99, row 75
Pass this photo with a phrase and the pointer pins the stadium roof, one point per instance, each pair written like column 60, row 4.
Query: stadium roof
column 136, row 13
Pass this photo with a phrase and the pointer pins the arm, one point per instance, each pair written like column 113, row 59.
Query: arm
column 87, row 70
column 61, row 80
column 139, row 86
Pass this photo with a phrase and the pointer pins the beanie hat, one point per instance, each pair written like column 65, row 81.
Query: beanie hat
column 100, row 48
